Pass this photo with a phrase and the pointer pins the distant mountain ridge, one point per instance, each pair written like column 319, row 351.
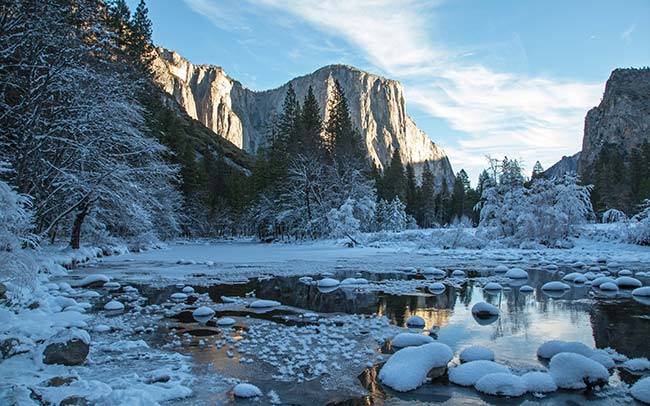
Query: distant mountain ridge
column 243, row 116
column 568, row 164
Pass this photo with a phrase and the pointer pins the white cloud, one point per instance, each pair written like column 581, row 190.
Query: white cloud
column 627, row 34
column 501, row 113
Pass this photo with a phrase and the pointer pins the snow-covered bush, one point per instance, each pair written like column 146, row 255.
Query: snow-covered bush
column 342, row 222
column 613, row 216
column 391, row 216
column 639, row 230
column 546, row 212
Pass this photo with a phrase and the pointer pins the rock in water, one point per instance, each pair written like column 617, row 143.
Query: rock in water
column 246, row 390
column 242, row 116
column 68, row 347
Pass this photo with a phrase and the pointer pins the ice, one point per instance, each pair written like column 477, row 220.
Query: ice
column 555, row 286
column 263, row 304
column 637, row 364
column 550, row 348
column 641, row 390
column 113, row 305
column 90, row 279
column 407, row 369
column 575, row 371
column 415, row 321
column 516, row 273
column 539, row 382
column 328, row 283
column 246, row 390
column 501, row 384
column 411, row 340
column 628, row 282
column 476, row 353
column 469, row 373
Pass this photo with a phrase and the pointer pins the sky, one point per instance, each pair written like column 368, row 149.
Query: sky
column 500, row 78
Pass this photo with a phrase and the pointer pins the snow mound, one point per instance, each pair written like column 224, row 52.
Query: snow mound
column 501, row 384
column 575, row 371
column 571, row 277
column 90, row 279
column 516, row 273
column 203, row 312
column 550, row 348
column 628, row 282
column 328, row 283
column 526, row 289
column 484, row 310
column 435, row 272
column 625, row 272
column 641, row 390
column 603, row 359
column 458, row 273
column 113, row 305
column 407, row 369
column 225, row 321
column 415, row 321
column 637, row 364
column 246, row 390
column 492, row 286
column 476, row 353
column 501, row 269
column 539, row 382
column 555, row 286
column 411, row 340
column 644, row 291
column 609, row 287
column 178, row 296
column 602, row 279
column 437, row 287
column 354, row 282
column 262, row 304
column 469, row 373
column 188, row 289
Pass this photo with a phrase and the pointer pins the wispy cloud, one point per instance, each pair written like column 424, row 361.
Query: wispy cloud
column 501, row 112
column 627, row 34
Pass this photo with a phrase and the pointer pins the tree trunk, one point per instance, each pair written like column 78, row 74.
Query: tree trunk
column 75, row 240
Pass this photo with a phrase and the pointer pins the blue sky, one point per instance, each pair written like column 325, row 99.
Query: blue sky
column 511, row 78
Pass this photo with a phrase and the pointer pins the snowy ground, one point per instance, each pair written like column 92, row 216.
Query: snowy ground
column 313, row 346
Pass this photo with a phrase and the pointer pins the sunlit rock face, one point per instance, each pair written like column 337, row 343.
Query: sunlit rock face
column 243, row 116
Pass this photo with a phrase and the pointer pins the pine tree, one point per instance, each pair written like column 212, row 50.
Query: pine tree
column 139, row 39
column 393, row 183
column 427, row 212
column 411, row 191
column 537, row 170
column 119, row 19
column 311, row 126
column 340, row 139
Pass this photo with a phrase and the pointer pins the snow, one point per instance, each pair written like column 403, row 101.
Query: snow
column 555, row 286
column 603, row 279
column 246, row 390
column 550, row 348
column 407, row 369
column 178, row 297
column 435, row 272
column 469, row 373
column 476, row 353
column 539, row 382
column 90, row 279
column 641, row 390
column 575, row 277
column 113, row 305
column 575, row 371
column 328, row 283
column 526, row 289
column 264, row 304
column 516, row 273
column 354, row 282
column 225, row 321
column 609, row 287
column 493, row 286
column 437, row 287
column 501, row 269
column 625, row 272
column 415, row 321
column 203, row 314
column 484, row 309
column 628, row 282
column 637, row 364
column 411, row 340
column 501, row 384
column 644, row 291
column 458, row 273
column 603, row 359
column 188, row 289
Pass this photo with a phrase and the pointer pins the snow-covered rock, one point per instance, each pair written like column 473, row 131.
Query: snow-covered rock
column 178, row 297
column 411, row 340
column 644, row 291
column 602, row 279
column 501, row 268
column 188, row 290
column 435, row 272
column 113, row 305
column 111, row 285
column 539, row 382
column 407, row 369
column 484, row 310
column 225, row 321
column 246, row 390
column 526, row 289
column 437, row 287
column 603, row 359
column 492, row 286
column 263, row 304
column 458, row 273
column 469, row 373
column 96, row 279
column 608, row 287
column 641, row 390
column 575, row 371
column 555, row 286
column 637, row 364
column 628, row 282
column 476, row 353
column 415, row 321
column 516, row 273
column 550, row 348
column 625, row 272
column 328, row 283
column 67, row 347
column 501, row 384
column 354, row 282
column 203, row 314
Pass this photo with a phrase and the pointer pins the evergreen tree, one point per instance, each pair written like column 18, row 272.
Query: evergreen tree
column 393, row 183
column 411, row 191
column 119, row 20
column 139, row 38
column 427, row 207
column 311, row 126
column 537, row 170
column 340, row 139
column 288, row 124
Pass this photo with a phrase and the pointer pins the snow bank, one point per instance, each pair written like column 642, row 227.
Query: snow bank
column 469, row 373
column 476, row 353
column 501, row 384
column 407, row 369
column 539, row 382
column 411, row 340
column 575, row 371
column 641, row 390
column 246, row 390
